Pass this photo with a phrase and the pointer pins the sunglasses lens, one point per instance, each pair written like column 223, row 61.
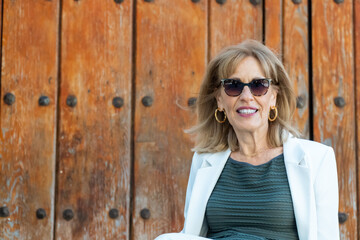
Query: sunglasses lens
column 259, row 87
column 233, row 87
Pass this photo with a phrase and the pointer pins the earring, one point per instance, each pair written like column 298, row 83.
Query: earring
column 276, row 113
column 217, row 119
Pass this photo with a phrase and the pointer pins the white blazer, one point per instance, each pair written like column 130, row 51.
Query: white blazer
column 312, row 175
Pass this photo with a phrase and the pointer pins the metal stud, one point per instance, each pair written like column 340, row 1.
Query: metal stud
column 220, row 1
column 4, row 212
column 339, row 102
column 44, row 101
column 296, row 1
column 145, row 213
column 338, row 1
column 113, row 213
column 342, row 217
column 195, row 1
column 68, row 214
column 300, row 102
column 147, row 101
column 191, row 101
column 148, row 0
column 118, row 102
column 9, row 98
column 255, row 2
column 71, row 101
column 40, row 213
column 118, row 1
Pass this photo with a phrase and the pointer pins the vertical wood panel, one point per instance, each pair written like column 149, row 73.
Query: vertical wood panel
column 170, row 62
column 233, row 22
column 27, row 142
column 95, row 137
column 274, row 25
column 296, row 58
column 333, row 76
column 357, row 92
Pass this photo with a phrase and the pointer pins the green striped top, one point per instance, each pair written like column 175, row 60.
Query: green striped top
column 252, row 202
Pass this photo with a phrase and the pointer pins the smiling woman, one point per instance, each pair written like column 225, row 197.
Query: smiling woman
column 251, row 177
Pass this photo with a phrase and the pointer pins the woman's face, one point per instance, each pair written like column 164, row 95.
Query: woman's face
column 246, row 112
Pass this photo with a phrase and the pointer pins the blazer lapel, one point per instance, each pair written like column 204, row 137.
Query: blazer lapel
column 298, row 173
column 205, row 182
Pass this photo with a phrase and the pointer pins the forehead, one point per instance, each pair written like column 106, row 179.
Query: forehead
column 248, row 68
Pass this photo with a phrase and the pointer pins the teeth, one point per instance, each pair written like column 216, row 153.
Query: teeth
column 246, row 111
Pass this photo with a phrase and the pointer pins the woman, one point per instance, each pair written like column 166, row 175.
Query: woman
column 251, row 177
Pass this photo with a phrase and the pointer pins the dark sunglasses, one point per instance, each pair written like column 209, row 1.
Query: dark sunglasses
column 234, row 87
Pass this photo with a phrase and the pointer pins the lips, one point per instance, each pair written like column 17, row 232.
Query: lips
column 246, row 110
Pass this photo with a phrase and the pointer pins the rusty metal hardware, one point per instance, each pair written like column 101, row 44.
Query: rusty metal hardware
column 40, row 213
column 9, row 98
column 71, row 101
column 296, row 1
column 192, row 101
column 195, row 1
column 118, row 102
column 338, row 1
column 220, row 1
column 68, row 214
column 145, row 213
column 339, row 102
column 300, row 102
column 342, row 217
column 113, row 213
column 147, row 101
column 148, row 0
column 118, row 1
column 44, row 101
column 4, row 212
column 255, row 2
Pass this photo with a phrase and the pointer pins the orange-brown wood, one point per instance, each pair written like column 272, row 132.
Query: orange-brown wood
column 296, row 59
column 233, row 22
column 274, row 25
column 333, row 76
column 27, row 140
column 170, row 62
column 357, row 92
column 93, row 174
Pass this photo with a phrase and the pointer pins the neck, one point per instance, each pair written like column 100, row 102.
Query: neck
column 252, row 144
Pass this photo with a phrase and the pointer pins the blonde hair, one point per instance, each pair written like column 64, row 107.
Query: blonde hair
column 212, row 136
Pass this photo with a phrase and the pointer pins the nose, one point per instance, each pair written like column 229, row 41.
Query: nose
column 246, row 94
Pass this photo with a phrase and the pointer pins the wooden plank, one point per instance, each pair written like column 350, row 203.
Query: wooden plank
column 333, row 76
column 233, row 22
column 274, row 25
column 296, row 59
column 170, row 62
column 27, row 142
column 94, row 165
column 357, row 92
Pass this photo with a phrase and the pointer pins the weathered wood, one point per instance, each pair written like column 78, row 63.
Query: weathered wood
column 296, row 59
column 94, row 165
column 333, row 76
column 274, row 25
column 357, row 92
column 170, row 62
column 233, row 22
column 27, row 139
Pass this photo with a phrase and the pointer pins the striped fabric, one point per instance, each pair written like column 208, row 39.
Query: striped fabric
column 252, row 202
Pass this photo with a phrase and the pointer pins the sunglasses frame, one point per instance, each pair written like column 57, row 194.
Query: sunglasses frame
column 222, row 82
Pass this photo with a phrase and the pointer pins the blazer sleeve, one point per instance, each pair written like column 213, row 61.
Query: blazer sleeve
column 195, row 165
column 327, row 198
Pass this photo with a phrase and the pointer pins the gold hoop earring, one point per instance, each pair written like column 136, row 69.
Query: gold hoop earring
column 216, row 117
column 276, row 113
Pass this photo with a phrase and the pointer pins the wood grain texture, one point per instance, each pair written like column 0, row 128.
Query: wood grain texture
column 232, row 22
column 333, row 76
column 27, row 139
column 296, row 59
column 93, row 172
column 357, row 92
column 170, row 62
column 274, row 25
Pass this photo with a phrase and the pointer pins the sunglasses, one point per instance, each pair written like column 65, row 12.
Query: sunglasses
column 234, row 87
